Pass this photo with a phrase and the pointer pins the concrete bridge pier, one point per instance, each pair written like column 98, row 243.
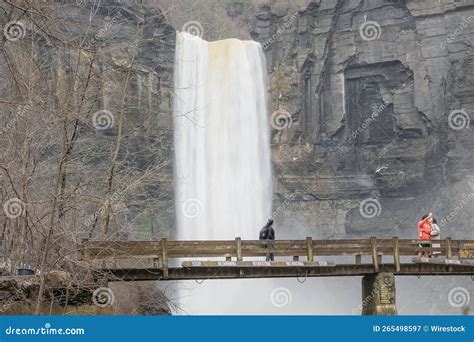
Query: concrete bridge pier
column 378, row 294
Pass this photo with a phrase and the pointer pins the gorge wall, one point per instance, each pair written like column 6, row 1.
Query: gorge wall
column 364, row 91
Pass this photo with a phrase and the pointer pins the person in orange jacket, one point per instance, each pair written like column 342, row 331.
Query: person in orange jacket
column 424, row 232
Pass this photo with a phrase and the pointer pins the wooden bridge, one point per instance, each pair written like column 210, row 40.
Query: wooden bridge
column 242, row 258
column 230, row 259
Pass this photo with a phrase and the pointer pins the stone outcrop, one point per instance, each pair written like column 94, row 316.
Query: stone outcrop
column 65, row 296
column 370, row 86
column 380, row 101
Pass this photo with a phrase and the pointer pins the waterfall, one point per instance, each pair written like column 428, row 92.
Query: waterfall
column 222, row 169
column 223, row 180
column 221, row 139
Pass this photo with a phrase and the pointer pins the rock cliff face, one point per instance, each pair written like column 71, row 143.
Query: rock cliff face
column 373, row 105
column 373, row 101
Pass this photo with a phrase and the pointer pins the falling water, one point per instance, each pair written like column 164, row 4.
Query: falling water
column 222, row 148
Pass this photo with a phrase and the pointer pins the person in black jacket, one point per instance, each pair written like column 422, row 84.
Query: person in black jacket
column 268, row 233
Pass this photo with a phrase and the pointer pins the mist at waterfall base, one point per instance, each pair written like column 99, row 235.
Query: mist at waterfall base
column 223, row 185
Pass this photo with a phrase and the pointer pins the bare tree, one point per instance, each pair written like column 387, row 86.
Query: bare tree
column 75, row 109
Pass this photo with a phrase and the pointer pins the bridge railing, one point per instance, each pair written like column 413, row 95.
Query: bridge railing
column 308, row 248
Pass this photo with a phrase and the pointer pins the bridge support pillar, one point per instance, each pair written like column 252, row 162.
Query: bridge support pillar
column 378, row 294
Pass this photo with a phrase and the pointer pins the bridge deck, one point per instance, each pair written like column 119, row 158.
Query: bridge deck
column 455, row 257
column 227, row 272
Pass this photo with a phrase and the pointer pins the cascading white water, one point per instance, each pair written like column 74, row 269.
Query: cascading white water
column 224, row 181
column 222, row 145
column 222, row 165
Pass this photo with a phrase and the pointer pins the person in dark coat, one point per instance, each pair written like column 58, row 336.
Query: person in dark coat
column 268, row 233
